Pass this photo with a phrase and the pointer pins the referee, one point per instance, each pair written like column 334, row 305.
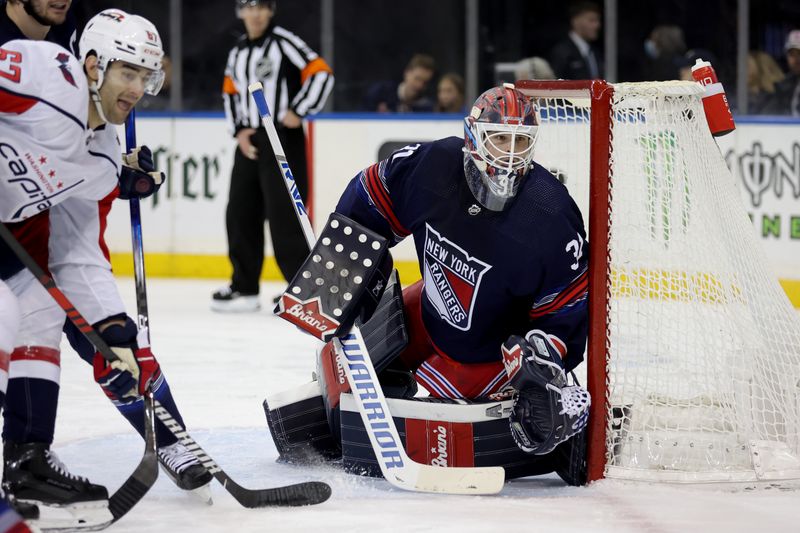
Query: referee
column 296, row 84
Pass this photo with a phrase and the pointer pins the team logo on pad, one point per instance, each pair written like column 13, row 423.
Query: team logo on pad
column 452, row 279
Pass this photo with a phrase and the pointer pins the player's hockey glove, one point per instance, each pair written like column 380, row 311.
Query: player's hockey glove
column 139, row 177
column 547, row 410
column 128, row 378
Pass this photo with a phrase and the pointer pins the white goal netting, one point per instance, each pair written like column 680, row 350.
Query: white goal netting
column 702, row 346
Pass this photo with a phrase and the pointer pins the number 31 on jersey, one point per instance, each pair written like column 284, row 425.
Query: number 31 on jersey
column 575, row 247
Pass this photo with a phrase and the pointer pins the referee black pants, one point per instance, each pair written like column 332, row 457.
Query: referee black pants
column 257, row 194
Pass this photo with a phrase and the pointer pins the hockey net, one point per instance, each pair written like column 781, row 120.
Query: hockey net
column 694, row 349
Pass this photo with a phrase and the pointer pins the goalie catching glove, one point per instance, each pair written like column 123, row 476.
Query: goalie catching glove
column 128, row 378
column 139, row 177
column 547, row 411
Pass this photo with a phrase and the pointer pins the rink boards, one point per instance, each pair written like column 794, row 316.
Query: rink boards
column 184, row 225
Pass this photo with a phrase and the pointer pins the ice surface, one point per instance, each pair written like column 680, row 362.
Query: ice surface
column 220, row 368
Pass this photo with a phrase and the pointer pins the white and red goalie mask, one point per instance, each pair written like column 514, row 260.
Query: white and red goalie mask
column 499, row 138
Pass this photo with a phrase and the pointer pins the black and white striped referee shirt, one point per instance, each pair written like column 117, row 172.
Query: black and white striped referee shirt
column 294, row 77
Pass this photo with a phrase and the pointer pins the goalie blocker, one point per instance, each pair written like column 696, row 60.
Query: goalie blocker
column 341, row 280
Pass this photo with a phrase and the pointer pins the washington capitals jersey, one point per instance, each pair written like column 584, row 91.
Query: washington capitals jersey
column 486, row 274
column 44, row 102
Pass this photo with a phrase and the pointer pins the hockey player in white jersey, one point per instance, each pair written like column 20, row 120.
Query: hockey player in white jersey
column 45, row 161
column 75, row 250
column 119, row 76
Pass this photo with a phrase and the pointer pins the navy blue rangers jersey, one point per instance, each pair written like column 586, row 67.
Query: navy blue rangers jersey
column 64, row 34
column 487, row 274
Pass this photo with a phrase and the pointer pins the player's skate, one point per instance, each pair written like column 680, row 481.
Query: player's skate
column 33, row 474
column 227, row 300
column 186, row 471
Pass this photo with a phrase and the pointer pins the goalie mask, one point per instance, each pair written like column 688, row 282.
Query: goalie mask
column 499, row 137
column 114, row 35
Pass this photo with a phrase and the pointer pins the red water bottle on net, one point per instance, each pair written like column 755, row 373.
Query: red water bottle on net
column 715, row 103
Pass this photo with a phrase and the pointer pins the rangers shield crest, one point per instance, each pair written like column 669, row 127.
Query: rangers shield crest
column 452, row 279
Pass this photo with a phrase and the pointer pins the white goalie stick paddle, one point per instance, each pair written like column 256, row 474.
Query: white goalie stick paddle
column 395, row 465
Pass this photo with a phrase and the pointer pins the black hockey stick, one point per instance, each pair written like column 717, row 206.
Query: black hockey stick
column 145, row 474
column 308, row 493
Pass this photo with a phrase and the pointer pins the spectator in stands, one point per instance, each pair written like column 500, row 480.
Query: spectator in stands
column 534, row 68
column 450, row 94
column 786, row 100
column 574, row 57
column 763, row 75
column 407, row 96
column 664, row 53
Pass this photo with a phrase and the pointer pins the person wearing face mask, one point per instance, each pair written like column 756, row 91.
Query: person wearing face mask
column 69, row 242
column 297, row 83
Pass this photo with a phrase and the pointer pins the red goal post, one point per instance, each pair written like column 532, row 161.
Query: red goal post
column 693, row 350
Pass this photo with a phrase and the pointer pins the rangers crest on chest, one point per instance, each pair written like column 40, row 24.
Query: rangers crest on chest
column 452, row 279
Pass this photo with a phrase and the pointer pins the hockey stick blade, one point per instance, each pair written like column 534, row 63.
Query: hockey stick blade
column 396, row 466
column 307, row 493
column 137, row 485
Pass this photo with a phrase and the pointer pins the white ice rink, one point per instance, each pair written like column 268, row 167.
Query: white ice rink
column 220, row 368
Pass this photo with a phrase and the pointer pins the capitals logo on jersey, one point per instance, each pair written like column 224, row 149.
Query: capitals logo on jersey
column 63, row 60
column 452, row 279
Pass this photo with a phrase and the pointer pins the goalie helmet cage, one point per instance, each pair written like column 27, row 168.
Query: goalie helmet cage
column 694, row 349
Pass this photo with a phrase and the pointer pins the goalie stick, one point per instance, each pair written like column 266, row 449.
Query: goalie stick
column 308, row 493
column 395, row 465
column 146, row 473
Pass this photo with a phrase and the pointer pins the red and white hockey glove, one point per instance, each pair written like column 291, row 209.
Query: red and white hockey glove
column 128, row 378
column 139, row 177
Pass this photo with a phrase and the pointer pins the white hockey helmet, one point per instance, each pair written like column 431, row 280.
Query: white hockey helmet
column 114, row 35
